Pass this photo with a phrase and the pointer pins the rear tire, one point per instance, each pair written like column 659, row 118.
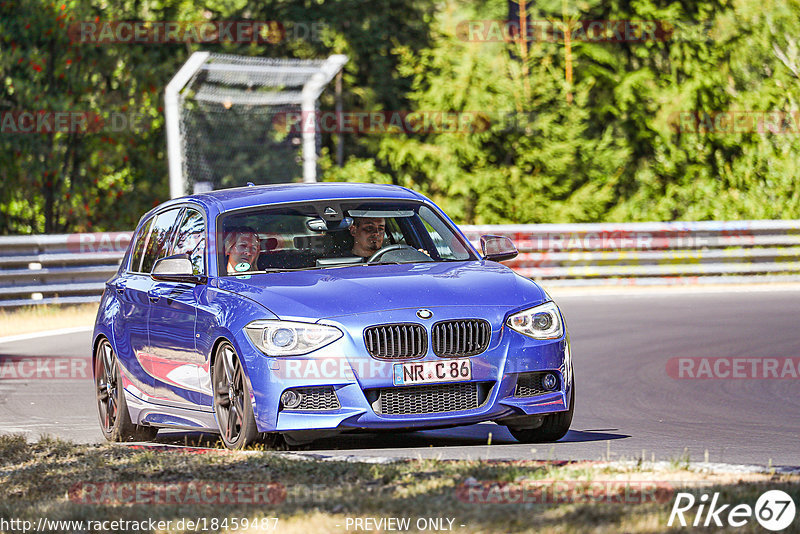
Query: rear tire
column 554, row 427
column 232, row 405
column 115, row 420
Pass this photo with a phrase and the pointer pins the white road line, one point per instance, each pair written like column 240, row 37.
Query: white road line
column 47, row 333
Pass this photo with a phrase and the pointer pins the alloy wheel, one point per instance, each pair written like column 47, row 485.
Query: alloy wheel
column 107, row 386
column 229, row 394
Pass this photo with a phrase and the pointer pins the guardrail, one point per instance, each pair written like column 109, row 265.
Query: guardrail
column 64, row 269
column 653, row 253
column 73, row 268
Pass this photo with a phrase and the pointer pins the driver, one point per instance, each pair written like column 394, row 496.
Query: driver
column 368, row 234
column 241, row 247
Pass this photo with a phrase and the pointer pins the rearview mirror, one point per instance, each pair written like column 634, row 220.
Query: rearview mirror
column 176, row 268
column 498, row 248
column 318, row 224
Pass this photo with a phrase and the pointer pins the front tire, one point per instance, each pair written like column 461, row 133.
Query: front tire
column 232, row 405
column 115, row 420
column 554, row 427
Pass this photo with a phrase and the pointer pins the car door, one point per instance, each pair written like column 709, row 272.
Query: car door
column 129, row 325
column 140, row 285
column 171, row 323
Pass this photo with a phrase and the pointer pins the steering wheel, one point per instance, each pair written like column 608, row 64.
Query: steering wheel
column 390, row 248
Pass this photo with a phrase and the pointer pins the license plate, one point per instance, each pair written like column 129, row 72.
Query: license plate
column 430, row 372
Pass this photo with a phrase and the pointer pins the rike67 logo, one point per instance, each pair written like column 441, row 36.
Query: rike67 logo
column 774, row 510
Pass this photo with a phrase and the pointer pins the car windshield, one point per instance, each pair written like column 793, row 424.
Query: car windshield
column 335, row 234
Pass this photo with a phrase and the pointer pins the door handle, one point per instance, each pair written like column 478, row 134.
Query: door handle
column 120, row 287
column 153, row 296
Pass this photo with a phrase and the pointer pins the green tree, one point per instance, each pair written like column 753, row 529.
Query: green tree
column 563, row 130
column 536, row 156
column 738, row 60
column 102, row 176
column 106, row 178
column 600, row 126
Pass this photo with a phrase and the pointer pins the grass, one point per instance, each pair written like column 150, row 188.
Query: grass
column 45, row 317
column 322, row 496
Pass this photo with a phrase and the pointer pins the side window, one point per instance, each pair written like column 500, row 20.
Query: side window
column 449, row 249
column 441, row 247
column 394, row 232
column 138, row 247
column 191, row 240
column 160, row 238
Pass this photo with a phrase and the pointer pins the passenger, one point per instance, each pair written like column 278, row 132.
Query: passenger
column 368, row 235
column 242, row 247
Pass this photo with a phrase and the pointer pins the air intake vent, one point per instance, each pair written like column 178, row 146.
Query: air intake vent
column 396, row 341
column 530, row 385
column 316, row 399
column 428, row 399
column 466, row 337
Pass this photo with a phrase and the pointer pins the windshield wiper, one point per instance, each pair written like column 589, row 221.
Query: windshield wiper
column 279, row 270
column 274, row 270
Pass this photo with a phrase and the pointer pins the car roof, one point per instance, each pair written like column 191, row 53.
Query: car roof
column 240, row 197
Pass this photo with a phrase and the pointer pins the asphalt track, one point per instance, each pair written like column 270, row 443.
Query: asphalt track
column 627, row 403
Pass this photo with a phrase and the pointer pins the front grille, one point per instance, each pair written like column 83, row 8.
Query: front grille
column 466, row 337
column 428, row 399
column 316, row 399
column 396, row 341
column 530, row 385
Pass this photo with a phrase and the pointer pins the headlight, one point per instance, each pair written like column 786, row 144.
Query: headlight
column 540, row 322
column 288, row 338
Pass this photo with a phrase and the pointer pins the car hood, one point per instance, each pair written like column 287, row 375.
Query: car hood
column 320, row 294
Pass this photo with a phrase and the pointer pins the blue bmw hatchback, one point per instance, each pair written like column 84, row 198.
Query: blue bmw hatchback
column 293, row 312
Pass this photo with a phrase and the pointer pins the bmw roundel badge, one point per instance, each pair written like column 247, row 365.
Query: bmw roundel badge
column 424, row 314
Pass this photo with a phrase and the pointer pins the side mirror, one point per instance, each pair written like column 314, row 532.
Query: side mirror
column 498, row 248
column 176, row 268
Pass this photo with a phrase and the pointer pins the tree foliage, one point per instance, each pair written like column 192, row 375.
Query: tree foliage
column 100, row 176
column 609, row 131
column 105, row 177
column 616, row 142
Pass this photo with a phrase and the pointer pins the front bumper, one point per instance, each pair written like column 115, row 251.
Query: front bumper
column 355, row 377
